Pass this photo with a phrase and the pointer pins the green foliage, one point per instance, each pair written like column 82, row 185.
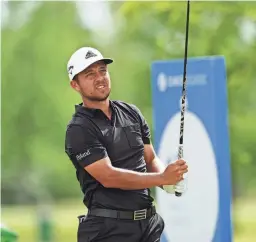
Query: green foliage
column 37, row 101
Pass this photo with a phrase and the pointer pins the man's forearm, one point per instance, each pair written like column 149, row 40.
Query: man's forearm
column 156, row 166
column 131, row 180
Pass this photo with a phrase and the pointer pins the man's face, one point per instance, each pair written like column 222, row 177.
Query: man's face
column 94, row 82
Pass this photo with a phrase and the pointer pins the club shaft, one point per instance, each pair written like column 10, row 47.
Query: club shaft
column 184, row 78
column 183, row 100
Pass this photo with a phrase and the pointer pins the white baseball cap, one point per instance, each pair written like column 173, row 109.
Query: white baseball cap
column 83, row 58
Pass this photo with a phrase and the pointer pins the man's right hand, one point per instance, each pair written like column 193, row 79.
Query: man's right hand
column 174, row 172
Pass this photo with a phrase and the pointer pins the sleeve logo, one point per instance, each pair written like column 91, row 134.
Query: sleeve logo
column 83, row 155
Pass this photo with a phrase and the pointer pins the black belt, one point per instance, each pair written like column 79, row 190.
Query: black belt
column 132, row 215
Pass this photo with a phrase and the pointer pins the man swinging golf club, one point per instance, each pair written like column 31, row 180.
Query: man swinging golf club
column 109, row 145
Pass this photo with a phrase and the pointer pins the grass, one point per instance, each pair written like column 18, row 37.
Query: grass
column 244, row 216
column 24, row 220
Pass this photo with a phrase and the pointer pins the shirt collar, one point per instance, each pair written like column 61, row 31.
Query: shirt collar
column 79, row 108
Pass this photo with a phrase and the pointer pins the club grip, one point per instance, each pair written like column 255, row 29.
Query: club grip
column 180, row 186
column 180, row 152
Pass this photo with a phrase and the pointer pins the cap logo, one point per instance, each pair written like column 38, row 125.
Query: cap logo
column 70, row 69
column 90, row 54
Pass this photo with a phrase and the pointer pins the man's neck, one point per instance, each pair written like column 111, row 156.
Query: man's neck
column 104, row 106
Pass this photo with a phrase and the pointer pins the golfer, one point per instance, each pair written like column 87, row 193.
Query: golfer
column 109, row 145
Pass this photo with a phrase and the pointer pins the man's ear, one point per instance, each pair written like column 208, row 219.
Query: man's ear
column 75, row 85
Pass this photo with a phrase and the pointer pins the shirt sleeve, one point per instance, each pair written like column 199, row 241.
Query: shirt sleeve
column 83, row 146
column 144, row 126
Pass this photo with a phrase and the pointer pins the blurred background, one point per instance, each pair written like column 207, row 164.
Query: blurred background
column 40, row 196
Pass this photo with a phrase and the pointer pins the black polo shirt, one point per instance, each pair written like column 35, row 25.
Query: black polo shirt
column 91, row 136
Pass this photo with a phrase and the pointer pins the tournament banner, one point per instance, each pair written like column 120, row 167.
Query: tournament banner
column 203, row 213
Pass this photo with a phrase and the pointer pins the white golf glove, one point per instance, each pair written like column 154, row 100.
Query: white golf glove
column 169, row 189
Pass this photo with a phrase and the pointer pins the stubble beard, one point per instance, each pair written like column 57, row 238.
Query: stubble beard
column 97, row 99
